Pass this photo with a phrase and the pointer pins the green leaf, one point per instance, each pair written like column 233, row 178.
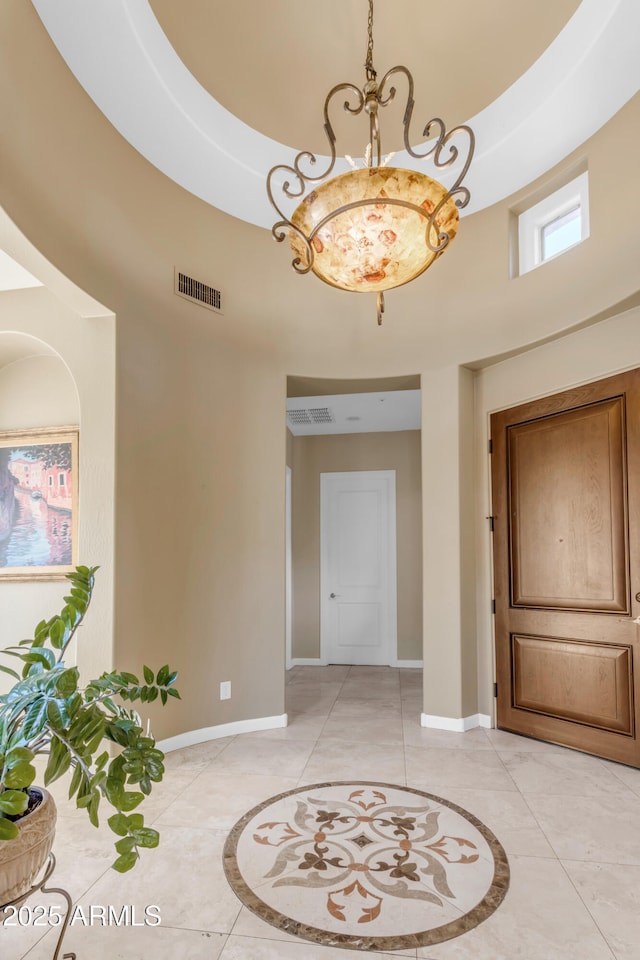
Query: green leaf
column 163, row 697
column 74, row 704
column 8, row 830
column 119, row 824
column 41, row 633
column 126, row 845
column 136, row 821
column 147, row 837
column 59, row 761
column 57, row 633
column 19, row 776
column 125, row 862
column 18, row 755
column 54, row 716
column 13, row 802
column 98, row 780
column 42, row 655
column 174, row 693
column 148, row 674
column 35, row 719
column 76, row 779
column 130, row 800
column 94, row 803
column 171, row 678
column 115, row 732
column 67, row 683
column 114, row 791
column 163, row 676
column 95, row 741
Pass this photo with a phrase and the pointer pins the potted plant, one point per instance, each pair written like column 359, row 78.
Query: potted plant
column 86, row 729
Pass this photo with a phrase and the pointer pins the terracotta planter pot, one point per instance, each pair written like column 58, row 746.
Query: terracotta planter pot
column 22, row 859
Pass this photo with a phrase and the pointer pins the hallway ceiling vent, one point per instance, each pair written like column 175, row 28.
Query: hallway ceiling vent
column 311, row 415
column 197, row 292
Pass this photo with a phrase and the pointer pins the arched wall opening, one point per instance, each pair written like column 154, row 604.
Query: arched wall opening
column 57, row 368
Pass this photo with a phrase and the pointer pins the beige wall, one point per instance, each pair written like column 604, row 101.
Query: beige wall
column 200, row 494
column 365, row 451
column 448, row 535
column 73, row 383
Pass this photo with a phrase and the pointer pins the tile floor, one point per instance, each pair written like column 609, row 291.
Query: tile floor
column 570, row 825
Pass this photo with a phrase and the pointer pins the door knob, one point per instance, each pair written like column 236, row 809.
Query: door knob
column 334, row 595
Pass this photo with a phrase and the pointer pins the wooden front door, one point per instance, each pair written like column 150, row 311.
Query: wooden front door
column 566, row 506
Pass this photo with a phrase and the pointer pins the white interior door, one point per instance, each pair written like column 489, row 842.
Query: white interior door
column 358, row 622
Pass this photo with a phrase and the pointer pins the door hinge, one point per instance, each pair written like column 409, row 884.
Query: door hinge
column 493, row 605
column 490, row 446
column 491, row 524
column 495, row 691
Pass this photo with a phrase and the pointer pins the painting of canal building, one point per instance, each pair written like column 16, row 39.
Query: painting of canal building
column 38, row 503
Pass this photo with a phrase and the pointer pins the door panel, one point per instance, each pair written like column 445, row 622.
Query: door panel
column 566, row 499
column 568, row 519
column 358, row 570
column 574, row 680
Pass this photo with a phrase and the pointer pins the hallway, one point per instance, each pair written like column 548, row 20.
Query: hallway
column 569, row 824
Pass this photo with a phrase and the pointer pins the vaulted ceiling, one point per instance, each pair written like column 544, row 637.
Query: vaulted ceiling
column 138, row 135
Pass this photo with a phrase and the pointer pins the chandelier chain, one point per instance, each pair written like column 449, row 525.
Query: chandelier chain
column 371, row 73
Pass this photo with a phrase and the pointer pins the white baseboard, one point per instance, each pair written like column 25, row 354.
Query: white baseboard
column 310, row 662
column 221, row 730
column 460, row 725
column 306, row 662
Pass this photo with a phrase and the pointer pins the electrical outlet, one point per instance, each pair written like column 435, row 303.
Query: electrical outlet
column 225, row 690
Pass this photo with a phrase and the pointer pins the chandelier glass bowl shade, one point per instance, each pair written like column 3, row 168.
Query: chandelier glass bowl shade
column 367, row 227
column 377, row 226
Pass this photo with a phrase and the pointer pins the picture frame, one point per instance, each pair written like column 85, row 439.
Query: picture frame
column 38, row 503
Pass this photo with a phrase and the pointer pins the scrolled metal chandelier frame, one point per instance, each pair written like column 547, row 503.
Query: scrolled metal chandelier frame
column 376, row 227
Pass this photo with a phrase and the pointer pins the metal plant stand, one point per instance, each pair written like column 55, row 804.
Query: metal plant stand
column 40, row 885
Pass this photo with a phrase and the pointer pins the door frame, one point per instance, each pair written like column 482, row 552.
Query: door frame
column 558, row 400
column 390, row 475
column 288, row 595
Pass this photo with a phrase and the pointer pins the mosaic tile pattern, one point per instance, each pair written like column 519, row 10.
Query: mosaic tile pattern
column 370, row 866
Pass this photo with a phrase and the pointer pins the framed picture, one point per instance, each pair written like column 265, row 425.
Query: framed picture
column 38, row 503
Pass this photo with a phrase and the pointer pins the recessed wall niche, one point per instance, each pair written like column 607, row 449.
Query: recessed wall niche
column 36, row 387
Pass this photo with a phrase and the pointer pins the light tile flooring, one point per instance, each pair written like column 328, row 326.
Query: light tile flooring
column 570, row 825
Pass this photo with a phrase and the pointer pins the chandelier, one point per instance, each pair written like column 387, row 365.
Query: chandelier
column 378, row 226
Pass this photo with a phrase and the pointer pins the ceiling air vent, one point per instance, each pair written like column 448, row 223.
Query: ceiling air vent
column 185, row 286
column 298, row 416
column 321, row 415
column 311, row 415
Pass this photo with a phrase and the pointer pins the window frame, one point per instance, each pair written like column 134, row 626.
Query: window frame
column 531, row 222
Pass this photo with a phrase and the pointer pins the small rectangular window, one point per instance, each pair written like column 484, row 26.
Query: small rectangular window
column 554, row 225
column 561, row 233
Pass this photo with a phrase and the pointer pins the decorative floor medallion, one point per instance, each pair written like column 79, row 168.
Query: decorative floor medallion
column 371, row 866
